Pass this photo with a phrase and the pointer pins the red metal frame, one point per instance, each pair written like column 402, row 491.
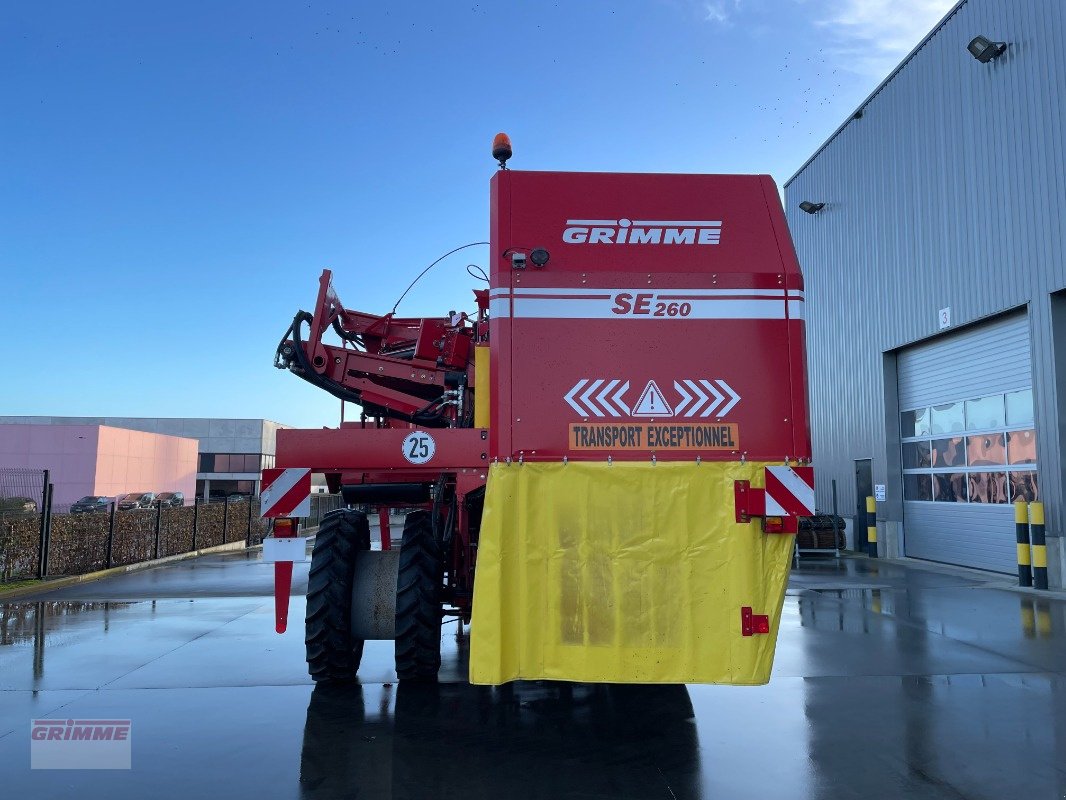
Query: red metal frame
column 723, row 271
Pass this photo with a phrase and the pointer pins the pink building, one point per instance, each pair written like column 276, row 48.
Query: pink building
column 99, row 460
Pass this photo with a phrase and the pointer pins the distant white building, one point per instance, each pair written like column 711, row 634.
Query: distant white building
column 232, row 454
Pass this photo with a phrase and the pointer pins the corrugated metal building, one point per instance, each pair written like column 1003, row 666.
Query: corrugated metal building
column 935, row 278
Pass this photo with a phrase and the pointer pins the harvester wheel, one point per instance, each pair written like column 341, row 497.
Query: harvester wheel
column 418, row 610
column 333, row 655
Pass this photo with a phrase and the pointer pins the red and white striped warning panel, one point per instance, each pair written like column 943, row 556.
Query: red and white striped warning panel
column 286, row 492
column 789, row 491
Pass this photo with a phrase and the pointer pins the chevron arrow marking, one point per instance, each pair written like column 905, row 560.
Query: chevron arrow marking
column 570, row 397
column 698, row 397
column 686, row 398
column 735, row 398
column 586, row 398
column 701, row 397
column 605, row 402
column 718, row 398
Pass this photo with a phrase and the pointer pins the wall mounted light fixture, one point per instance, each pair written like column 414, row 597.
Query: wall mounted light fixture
column 985, row 50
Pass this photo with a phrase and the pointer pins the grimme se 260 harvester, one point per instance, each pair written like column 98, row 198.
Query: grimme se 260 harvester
column 605, row 464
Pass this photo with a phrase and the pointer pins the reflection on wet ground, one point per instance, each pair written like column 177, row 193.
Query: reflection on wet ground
column 890, row 681
column 24, row 622
column 457, row 740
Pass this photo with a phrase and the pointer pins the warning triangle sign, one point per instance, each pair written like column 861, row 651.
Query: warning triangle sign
column 652, row 403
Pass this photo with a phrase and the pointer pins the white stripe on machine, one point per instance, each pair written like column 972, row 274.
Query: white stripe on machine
column 569, row 292
column 706, row 308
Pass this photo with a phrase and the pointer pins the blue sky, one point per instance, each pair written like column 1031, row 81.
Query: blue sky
column 174, row 176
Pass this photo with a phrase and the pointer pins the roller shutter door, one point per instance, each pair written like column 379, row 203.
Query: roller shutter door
column 969, row 445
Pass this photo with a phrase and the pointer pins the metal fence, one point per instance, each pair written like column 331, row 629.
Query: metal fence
column 21, row 487
column 322, row 504
column 24, row 498
column 49, row 543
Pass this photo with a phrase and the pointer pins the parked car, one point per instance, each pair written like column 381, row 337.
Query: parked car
column 136, row 500
column 170, row 499
column 90, row 504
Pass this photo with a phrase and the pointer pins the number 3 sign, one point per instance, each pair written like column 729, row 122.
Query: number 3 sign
column 418, row 447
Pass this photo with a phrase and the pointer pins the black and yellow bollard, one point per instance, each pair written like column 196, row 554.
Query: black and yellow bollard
column 871, row 527
column 1036, row 534
column 1021, row 530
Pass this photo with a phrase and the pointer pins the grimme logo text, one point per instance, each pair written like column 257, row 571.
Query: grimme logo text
column 80, row 730
column 625, row 231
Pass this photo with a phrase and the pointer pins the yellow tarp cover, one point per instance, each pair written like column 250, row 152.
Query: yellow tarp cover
column 623, row 573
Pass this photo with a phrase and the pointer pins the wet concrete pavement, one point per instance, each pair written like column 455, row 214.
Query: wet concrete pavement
column 890, row 681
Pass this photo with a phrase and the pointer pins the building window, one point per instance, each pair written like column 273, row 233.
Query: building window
column 917, row 455
column 981, row 450
column 233, row 462
column 947, row 418
column 915, row 423
column 225, row 487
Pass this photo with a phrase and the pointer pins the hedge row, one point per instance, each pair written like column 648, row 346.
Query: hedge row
column 78, row 542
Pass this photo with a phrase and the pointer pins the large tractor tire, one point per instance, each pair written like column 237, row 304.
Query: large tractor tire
column 333, row 654
column 418, row 607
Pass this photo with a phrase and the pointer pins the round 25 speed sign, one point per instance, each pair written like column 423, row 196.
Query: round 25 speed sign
column 419, row 447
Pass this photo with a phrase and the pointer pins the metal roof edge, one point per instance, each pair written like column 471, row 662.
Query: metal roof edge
column 880, row 87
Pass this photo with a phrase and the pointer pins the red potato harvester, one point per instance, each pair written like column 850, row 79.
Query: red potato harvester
column 600, row 469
